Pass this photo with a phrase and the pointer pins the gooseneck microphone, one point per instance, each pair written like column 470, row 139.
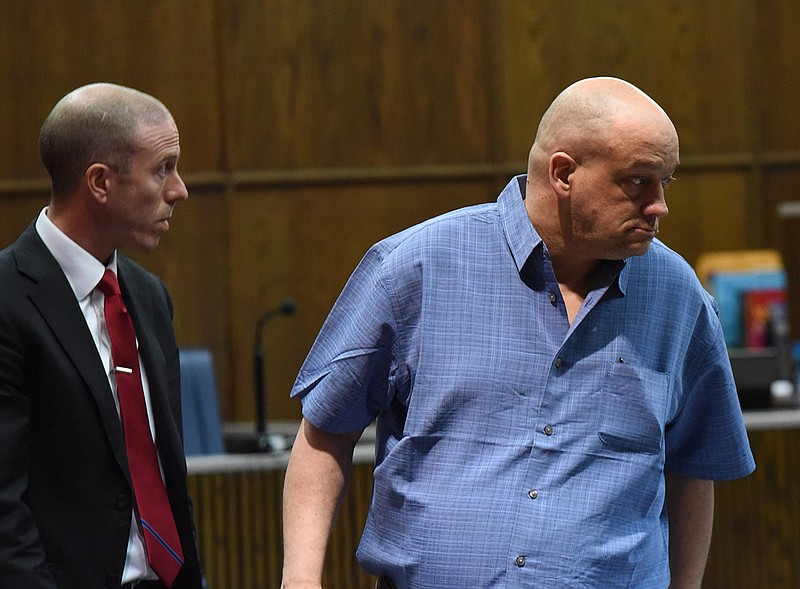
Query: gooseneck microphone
column 261, row 440
column 287, row 307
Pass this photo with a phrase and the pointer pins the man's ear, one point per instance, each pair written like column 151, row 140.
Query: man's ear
column 562, row 165
column 98, row 181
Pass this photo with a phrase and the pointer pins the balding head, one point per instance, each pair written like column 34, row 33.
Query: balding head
column 583, row 118
column 97, row 123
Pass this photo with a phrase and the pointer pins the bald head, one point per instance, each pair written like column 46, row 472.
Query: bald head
column 583, row 118
column 98, row 123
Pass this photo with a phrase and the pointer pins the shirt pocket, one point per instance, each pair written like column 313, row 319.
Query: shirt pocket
column 632, row 406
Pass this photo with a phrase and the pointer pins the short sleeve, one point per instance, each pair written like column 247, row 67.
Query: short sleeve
column 344, row 382
column 707, row 439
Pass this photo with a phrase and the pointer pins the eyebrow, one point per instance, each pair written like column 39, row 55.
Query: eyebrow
column 650, row 165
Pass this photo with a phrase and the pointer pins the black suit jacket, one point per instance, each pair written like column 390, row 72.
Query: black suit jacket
column 66, row 496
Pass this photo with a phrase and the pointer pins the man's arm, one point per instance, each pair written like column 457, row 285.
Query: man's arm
column 316, row 478
column 690, row 510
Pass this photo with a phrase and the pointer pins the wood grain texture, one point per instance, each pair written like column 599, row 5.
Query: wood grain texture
column 756, row 540
column 354, row 83
column 50, row 47
column 681, row 53
column 239, row 530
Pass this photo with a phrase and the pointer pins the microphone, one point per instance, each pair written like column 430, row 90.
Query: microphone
column 287, row 307
column 262, row 441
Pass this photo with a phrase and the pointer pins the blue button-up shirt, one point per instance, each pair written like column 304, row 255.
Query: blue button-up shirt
column 515, row 449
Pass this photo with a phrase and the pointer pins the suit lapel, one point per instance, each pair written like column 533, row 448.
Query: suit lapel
column 53, row 297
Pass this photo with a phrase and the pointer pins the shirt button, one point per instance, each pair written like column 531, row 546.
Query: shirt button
column 520, row 561
column 553, row 298
column 548, row 430
column 533, row 493
column 559, row 362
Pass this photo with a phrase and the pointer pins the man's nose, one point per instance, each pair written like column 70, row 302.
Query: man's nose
column 657, row 207
column 177, row 190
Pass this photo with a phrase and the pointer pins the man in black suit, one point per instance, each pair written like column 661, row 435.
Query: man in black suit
column 69, row 516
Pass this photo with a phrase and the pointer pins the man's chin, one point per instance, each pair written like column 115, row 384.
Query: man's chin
column 633, row 250
column 640, row 248
column 145, row 245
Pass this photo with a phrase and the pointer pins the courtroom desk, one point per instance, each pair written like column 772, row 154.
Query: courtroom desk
column 756, row 541
column 237, row 509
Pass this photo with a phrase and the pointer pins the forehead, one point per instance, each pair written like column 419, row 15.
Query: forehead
column 649, row 143
column 158, row 138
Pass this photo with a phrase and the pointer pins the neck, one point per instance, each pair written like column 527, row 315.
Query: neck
column 575, row 279
column 78, row 227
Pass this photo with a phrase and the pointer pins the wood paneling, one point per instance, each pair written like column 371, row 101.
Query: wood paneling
column 17, row 212
column 238, row 519
column 782, row 184
column 707, row 212
column 756, row 540
column 169, row 49
column 774, row 79
column 355, row 83
column 681, row 53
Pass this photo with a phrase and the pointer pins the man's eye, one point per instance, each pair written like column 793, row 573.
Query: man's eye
column 665, row 182
column 638, row 181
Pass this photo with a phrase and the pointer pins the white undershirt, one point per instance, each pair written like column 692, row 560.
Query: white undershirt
column 84, row 271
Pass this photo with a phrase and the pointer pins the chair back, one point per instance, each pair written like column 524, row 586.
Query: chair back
column 202, row 424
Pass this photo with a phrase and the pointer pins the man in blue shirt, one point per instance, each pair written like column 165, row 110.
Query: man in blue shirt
column 551, row 385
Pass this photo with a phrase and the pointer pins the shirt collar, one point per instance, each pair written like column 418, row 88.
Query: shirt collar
column 523, row 239
column 82, row 269
column 521, row 236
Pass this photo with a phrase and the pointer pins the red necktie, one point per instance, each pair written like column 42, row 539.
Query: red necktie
column 161, row 537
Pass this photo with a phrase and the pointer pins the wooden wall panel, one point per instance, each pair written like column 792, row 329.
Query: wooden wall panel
column 781, row 187
column 773, row 74
column 782, row 184
column 304, row 242
column 354, row 83
column 50, row 47
column 686, row 55
column 17, row 211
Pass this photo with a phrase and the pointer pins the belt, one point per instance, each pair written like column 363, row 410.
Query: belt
column 143, row 585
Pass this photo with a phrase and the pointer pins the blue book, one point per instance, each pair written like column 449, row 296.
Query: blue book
column 729, row 288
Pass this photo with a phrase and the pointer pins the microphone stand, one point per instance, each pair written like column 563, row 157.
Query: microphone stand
column 261, row 440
